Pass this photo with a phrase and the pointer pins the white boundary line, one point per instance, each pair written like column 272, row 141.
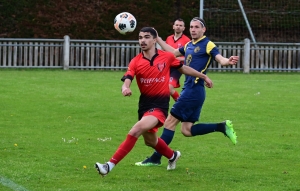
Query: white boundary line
column 10, row 184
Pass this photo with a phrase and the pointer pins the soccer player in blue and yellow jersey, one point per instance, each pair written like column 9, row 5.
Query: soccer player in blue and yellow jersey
column 198, row 54
column 176, row 40
column 152, row 71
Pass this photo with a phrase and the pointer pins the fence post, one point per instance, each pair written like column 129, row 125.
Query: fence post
column 246, row 59
column 66, row 52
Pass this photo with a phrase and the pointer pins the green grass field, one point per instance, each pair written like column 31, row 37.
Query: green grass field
column 53, row 123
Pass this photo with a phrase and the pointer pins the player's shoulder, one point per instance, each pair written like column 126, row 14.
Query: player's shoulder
column 207, row 40
column 189, row 43
column 202, row 41
column 170, row 36
column 165, row 53
column 137, row 58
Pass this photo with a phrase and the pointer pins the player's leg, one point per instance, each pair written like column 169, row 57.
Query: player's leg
column 167, row 136
column 145, row 124
column 174, row 94
column 225, row 127
column 174, row 83
column 178, row 112
column 192, row 115
column 160, row 146
column 189, row 129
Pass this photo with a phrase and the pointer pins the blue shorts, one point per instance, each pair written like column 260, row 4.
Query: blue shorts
column 189, row 105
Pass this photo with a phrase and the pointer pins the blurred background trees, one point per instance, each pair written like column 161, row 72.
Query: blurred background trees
column 270, row 20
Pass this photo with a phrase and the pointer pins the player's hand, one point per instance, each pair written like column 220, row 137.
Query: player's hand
column 233, row 60
column 126, row 91
column 208, row 82
column 155, row 31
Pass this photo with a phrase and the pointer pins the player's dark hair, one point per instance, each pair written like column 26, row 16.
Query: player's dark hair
column 149, row 30
column 202, row 21
column 179, row 19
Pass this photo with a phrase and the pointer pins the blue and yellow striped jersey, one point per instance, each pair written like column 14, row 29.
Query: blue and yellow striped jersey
column 198, row 55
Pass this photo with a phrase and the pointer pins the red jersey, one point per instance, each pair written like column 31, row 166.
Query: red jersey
column 152, row 78
column 180, row 42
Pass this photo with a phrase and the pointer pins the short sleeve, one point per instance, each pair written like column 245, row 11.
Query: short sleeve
column 130, row 73
column 175, row 63
column 212, row 49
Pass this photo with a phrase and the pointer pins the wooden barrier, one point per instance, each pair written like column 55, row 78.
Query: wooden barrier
column 115, row 55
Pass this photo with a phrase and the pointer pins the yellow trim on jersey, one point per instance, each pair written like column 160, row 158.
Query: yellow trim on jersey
column 206, row 65
column 199, row 39
column 210, row 45
column 186, row 45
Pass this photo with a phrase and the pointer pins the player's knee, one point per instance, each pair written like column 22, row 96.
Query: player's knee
column 186, row 132
column 149, row 143
column 171, row 123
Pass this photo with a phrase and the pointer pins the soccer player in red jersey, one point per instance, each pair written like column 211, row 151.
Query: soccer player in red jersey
column 176, row 40
column 152, row 71
column 199, row 54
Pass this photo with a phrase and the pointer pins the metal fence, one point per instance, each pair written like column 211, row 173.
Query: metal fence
column 115, row 55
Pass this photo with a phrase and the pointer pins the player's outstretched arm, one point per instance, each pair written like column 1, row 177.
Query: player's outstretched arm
column 192, row 72
column 232, row 60
column 126, row 91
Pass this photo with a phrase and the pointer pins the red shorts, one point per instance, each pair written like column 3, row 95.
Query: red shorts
column 159, row 115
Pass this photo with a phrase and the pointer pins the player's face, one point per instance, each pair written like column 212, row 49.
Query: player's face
column 196, row 30
column 146, row 41
column 178, row 27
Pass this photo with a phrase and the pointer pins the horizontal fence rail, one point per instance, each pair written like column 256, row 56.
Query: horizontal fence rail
column 116, row 54
column 112, row 55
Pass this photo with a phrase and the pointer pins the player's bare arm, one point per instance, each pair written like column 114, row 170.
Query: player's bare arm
column 232, row 60
column 192, row 72
column 181, row 59
column 126, row 91
column 167, row 47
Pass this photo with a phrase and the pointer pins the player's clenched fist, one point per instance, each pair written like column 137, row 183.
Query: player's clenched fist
column 126, row 91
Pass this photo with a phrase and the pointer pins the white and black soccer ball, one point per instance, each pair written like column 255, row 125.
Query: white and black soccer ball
column 125, row 22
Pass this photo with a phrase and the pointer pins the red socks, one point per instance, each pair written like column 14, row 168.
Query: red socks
column 175, row 95
column 124, row 149
column 162, row 148
column 127, row 145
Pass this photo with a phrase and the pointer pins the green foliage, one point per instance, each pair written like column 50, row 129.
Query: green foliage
column 91, row 19
column 62, row 121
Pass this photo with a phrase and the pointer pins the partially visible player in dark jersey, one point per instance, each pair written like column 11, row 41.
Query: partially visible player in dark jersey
column 176, row 40
column 198, row 54
column 152, row 71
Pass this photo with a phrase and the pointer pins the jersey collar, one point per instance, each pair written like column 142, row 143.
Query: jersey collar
column 178, row 38
column 198, row 40
column 152, row 59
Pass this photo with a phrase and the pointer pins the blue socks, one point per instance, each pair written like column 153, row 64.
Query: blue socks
column 205, row 128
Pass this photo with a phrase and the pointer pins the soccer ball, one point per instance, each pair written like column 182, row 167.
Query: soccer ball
column 125, row 22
